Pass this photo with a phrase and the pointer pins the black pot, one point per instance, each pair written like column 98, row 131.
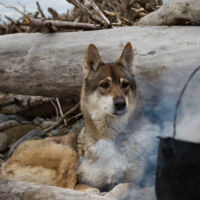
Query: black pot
column 178, row 170
column 178, row 165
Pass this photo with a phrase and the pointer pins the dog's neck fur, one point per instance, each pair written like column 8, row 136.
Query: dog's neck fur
column 119, row 133
column 100, row 125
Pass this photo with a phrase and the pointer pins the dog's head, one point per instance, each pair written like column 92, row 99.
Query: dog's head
column 109, row 88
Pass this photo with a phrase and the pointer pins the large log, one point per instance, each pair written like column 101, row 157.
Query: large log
column 173, row 12
column 51, row 64
column 18, row 190
column 32, row 106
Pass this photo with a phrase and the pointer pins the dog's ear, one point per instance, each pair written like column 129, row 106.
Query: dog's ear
column 127, row 58
column 92, row 60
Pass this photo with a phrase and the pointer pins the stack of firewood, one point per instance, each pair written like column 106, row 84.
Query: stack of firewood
column 85, row 15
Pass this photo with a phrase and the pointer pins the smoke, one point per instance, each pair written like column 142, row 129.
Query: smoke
column 111, row 164
column 188, row 127
column 146, row 142
column 188, row 123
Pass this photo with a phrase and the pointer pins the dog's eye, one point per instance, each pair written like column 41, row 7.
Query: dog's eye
column 125, row 85
column 105, row 85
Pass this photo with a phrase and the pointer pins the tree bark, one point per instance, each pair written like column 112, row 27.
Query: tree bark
column 32, row 106
column 51, row 64
column 58, row 24
column 18, row 190
column 173, row 12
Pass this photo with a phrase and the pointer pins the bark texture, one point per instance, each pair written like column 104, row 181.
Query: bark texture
column 51, row 64
column 173, row 12
column 18, row 190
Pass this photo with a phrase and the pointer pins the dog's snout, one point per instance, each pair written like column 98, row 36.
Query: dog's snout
column 120, row 104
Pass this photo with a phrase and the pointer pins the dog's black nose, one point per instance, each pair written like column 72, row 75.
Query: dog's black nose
column 120, row 103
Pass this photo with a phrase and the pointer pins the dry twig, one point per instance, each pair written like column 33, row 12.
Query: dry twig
column 74, row 109
column 100, row 13
column 90, row 16
column 14, row 9
column 60, row 109
column 40, row 10
column 57, row 116
column 73, row 119
column 127, row 21
column 58, row 24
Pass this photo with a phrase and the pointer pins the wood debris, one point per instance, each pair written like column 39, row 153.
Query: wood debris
column 85, row 15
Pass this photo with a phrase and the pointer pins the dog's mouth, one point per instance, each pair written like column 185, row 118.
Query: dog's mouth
column 119, row 113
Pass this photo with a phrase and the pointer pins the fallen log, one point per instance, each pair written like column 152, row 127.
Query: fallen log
column 52, row 65
column 173, row 12
column 32, row 106
column 18, row 190
column 37, row 23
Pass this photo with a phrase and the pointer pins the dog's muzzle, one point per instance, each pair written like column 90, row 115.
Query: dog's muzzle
column 119, row 105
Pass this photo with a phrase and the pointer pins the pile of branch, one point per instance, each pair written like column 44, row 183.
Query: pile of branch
column 85, row 15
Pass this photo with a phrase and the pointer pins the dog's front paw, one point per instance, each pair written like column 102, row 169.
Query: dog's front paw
column 92, row 191
column 87, row 189
column 119, row 191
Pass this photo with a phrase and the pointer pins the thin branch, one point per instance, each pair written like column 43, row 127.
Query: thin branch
column 109, row 13
column 99, row 12
column 53, row 13
column 73, row 119
column 126, row 20
column 58, row 24
column 142, row 14
column 24, row 7
column 71, row 111
column 14, row 9
column 11, row 20
column 87, row 12
column 51, row 28
column 57, row 117
column 117, row 24
column 15, row 25
column 36, row 14
column 138, row 10
column 60, row 109
column 40, row 10
column 160, row 2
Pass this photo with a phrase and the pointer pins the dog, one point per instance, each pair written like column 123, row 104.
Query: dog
column 111, row 108
column 104, row 153
column 51, row 161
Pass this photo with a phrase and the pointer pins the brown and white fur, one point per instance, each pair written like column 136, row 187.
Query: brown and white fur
column 111, row 108
column 105, row 149
column 51, row 161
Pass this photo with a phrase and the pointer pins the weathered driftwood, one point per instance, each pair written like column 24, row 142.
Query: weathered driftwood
column 77, row 107
column 58, row 24
column 52, row 64
column 173, row 12
column 40, row 10
column 91, row 17
column 18, row 190
column 32, row 106
column 18, row 103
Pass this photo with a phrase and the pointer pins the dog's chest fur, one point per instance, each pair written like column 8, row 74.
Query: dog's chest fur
column 108, row 151
column 108, row 159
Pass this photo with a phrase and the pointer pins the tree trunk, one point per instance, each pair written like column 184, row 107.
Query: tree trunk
column 173, row 12
column 32, row 106
column 51, row 64
column 18, row 190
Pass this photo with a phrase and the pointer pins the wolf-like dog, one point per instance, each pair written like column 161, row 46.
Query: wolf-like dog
column 106, row 152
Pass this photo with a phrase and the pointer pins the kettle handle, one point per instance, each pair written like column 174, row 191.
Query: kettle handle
column 179, row 99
